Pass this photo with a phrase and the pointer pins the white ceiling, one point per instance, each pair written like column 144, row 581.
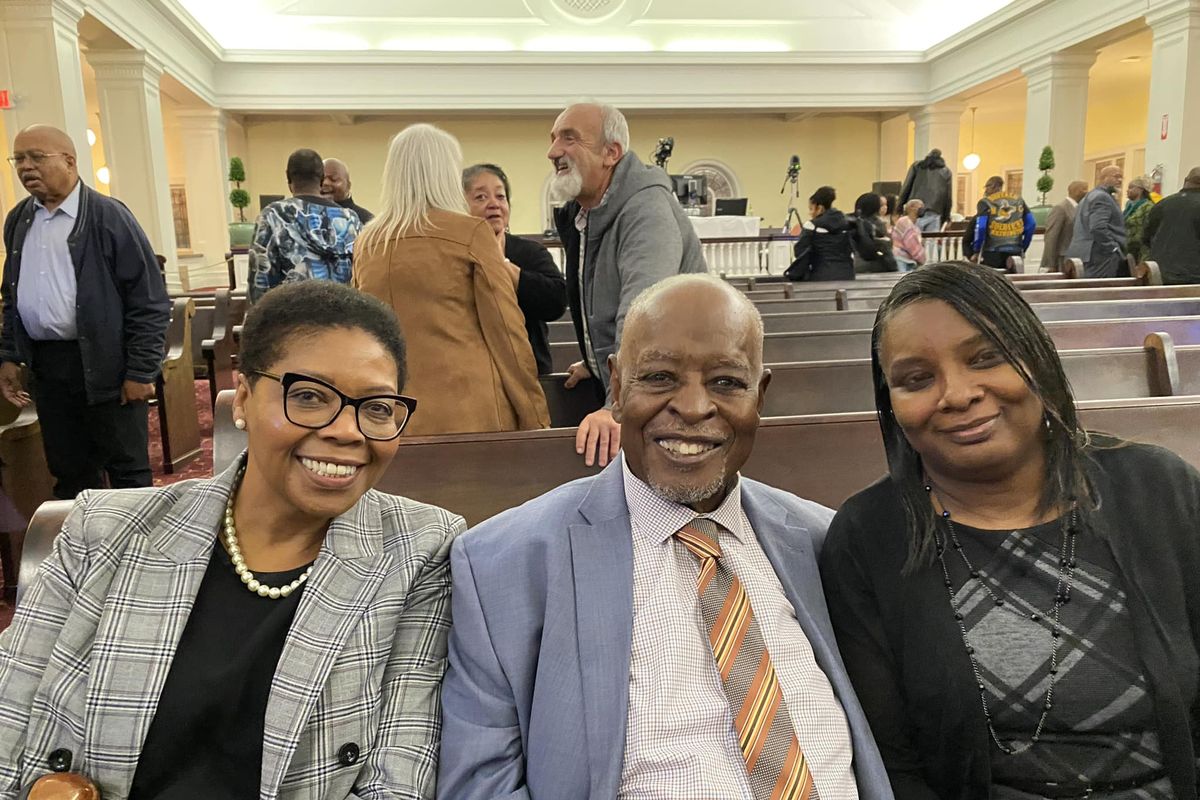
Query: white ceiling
column 799, row 27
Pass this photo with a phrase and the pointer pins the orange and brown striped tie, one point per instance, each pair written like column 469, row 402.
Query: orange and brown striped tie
column 774, row 761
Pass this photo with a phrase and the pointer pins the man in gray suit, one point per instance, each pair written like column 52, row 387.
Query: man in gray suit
column 1099, row 236
column 1060, row 226
column 580, row 656
column 622, row 230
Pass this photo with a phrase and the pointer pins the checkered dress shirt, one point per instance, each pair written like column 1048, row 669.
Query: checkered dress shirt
column 679, row 739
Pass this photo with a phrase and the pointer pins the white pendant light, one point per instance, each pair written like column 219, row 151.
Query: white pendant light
column 103, row 175
column 971, row 160
column 91, row 137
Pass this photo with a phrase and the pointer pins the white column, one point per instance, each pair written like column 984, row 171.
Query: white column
column 40, row 65
column 1174, row 90
column 1056, row 103
column 938, row 126
column 205, row 153
column 893, row 148
column 134, row 144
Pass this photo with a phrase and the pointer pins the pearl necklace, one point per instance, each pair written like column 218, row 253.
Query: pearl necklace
column 1062, row 595
column 239, row 562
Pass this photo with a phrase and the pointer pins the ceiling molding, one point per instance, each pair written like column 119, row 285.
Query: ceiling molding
column 842, row 58
column 366, row 89
column 163, row 36
column 1044, row 29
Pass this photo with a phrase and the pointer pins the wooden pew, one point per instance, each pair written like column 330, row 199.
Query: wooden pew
column 778, row 291
column 822, row 457
column 174, row 391
column 25, row 479
column 830, row 387
column 865, row 318
column 568, row 407
column 870, row 299
column 217, row 347
column 1067, row 335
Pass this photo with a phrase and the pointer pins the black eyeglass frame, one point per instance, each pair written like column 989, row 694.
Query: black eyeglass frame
column 289, row 379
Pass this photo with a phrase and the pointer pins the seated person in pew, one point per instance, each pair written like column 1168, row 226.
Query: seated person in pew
column 442, row 272
column 1016, row 602
column 541, row 287
column 907, row 244
column 823, row 251
column 281, row 626
column 580, row 663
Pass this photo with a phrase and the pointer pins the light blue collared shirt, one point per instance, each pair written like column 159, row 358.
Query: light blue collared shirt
column 46, row 291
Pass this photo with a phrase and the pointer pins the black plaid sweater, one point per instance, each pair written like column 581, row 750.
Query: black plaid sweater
column 905, row 655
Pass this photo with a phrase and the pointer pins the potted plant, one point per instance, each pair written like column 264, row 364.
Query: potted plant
column 241, row 233
column 1044, row 184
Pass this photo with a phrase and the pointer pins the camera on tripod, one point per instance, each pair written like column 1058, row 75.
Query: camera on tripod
column 662, row 152
column 793, row 171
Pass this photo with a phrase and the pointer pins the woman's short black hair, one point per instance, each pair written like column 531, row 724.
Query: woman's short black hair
column 472, row 172
column 299, row 309
column 824, row 196
column 868, row 204
column 993, row 306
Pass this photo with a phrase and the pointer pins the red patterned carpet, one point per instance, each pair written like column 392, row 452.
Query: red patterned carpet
column 200, row 467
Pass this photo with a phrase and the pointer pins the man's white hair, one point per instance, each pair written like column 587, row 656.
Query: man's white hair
column 615, row 129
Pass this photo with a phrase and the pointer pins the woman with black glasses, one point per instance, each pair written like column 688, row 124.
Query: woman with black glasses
column 279, row 630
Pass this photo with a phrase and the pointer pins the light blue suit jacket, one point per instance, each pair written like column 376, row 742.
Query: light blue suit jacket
column 535, row 699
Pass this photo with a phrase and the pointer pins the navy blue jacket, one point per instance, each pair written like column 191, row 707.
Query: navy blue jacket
column 121, row 305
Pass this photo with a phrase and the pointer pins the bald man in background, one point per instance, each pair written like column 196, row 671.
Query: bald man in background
column 1060, row 227
column 86, row 310
column 336, row 187
column 1099, row 235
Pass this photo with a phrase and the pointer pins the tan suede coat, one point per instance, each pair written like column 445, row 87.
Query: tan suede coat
column 470, row 365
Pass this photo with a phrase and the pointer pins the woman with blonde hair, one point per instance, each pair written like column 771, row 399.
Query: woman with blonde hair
column 469, row 358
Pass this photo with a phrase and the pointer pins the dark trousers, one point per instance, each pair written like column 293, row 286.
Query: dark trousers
column 994, row 258
column 83, row 441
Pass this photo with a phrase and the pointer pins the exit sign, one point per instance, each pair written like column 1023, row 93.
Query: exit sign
column 5, row 99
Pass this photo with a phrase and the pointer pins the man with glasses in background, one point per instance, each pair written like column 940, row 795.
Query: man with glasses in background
column 86, row 310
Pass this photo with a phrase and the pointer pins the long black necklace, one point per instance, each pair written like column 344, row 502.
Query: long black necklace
column 1062, row 594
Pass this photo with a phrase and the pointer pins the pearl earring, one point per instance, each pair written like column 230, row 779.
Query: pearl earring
column 240, row 424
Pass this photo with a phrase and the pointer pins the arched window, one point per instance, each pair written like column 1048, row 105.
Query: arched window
column 549, row 202
column 721, row 179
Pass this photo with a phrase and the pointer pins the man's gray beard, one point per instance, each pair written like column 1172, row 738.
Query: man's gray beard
column 568, row 185
column 689, row 495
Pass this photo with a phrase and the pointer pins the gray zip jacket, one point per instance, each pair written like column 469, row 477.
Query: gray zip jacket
column 637, row 236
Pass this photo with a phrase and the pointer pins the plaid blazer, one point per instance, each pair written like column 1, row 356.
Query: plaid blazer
column 87, row 654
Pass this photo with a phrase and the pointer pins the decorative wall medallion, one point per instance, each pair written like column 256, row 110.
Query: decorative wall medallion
column 611, row 13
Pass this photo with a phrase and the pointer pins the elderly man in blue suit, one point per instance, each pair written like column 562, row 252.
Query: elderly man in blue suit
column 657, row 630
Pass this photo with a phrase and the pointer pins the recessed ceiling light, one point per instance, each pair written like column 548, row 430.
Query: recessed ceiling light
column 1131, row 59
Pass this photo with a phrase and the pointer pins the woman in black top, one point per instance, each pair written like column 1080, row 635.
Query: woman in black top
column 1016, row 602
column 541, row 286
column 278, row 630
column 872, row 242
column 823, row 252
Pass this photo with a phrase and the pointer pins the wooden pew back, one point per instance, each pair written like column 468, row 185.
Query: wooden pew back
column 175, row 392
column 822, row 457
column 1067, row 335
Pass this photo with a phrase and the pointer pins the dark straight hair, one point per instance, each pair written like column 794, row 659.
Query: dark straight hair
column 994, row 307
